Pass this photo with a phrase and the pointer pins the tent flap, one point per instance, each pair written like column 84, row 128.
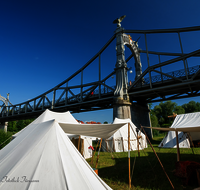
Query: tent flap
column 93, row 130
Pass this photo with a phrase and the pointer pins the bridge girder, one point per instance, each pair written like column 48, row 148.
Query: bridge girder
column 99, row 95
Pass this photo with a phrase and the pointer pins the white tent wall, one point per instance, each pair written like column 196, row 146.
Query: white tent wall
column 169, row 141
column 119, row 141
column 43, row 157
column 87, row 142
column 187, row 123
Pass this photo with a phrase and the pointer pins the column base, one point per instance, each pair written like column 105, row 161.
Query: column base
column 121, row 109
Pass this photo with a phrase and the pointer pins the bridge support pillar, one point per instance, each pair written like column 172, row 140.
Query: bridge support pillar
column 3, row 126
column 140, row 115
column 122, row 109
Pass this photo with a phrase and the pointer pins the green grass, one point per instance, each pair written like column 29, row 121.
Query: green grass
column 147, row 173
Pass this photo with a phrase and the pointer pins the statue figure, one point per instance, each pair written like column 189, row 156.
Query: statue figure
column 119, row 20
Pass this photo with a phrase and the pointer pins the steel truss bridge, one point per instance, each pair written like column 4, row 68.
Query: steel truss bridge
column 153, row 85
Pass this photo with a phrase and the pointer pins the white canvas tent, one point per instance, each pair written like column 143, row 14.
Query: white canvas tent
column 64, row 117
column 184, row 123
column 86, row 142
column 118, row 142
column 169, row 141
column 43, row 157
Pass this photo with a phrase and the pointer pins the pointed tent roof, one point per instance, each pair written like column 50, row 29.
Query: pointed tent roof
column 47, row 115
column 63, row 117
column 43, row 157
column 43, row 154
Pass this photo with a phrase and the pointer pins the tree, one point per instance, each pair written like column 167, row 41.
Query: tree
column 163, row 110
column 5, row 138
column 20, row 125
column 12, row 126
column 105, row 122
column 179, row 110
column 153, row 117
column 192, row 106
column 154, row 120
column 15, row 126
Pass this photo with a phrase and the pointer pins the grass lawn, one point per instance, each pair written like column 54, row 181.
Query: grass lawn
column 147, row 171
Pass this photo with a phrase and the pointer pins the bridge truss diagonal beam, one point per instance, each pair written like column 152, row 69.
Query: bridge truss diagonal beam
column 98, row 95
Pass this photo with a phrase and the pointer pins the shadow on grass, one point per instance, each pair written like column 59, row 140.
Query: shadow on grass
column 147, row 173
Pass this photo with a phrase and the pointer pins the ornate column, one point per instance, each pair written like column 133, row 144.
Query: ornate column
column 121, row 101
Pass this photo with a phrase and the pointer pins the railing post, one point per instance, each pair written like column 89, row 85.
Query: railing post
column 43, row 102
column 8, row 109
column 26, row 107
column 66, row 93
column 13, row 110
column 53, row 101
column 19, row 109
column 182, row 54
column 34, row 104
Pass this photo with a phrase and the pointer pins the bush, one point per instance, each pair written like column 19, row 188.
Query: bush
column 5, row 138
column 166, row 125
column 155, row 132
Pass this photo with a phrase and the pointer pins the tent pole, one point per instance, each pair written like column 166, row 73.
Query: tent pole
column 114, row 145
column 191, row 142
column 129, row 162
column 79, row 139
column 94, row 153
column 157, row 157
column 137, row 130
column 82, row 146
column 98, row 154
column 177, row 145
column 106, row 145
column 122, row 143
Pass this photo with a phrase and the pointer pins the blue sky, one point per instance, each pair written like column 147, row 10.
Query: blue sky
column 43, row 42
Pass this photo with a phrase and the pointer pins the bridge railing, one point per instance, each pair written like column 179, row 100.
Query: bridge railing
column 186, row 73
column 177, row 74
column 29, row 106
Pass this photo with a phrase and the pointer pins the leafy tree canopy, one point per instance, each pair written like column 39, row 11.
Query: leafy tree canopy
column 163, row 110
column 192, row 106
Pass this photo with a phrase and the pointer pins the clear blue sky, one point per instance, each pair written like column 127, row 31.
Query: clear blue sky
column 43, row 42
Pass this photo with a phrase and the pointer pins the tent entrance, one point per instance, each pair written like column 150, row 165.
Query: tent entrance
column 79, row 144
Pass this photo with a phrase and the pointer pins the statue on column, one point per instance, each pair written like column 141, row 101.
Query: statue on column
column 121, row 91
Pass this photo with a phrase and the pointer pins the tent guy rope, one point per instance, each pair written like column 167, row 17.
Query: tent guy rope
column 158, row 158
